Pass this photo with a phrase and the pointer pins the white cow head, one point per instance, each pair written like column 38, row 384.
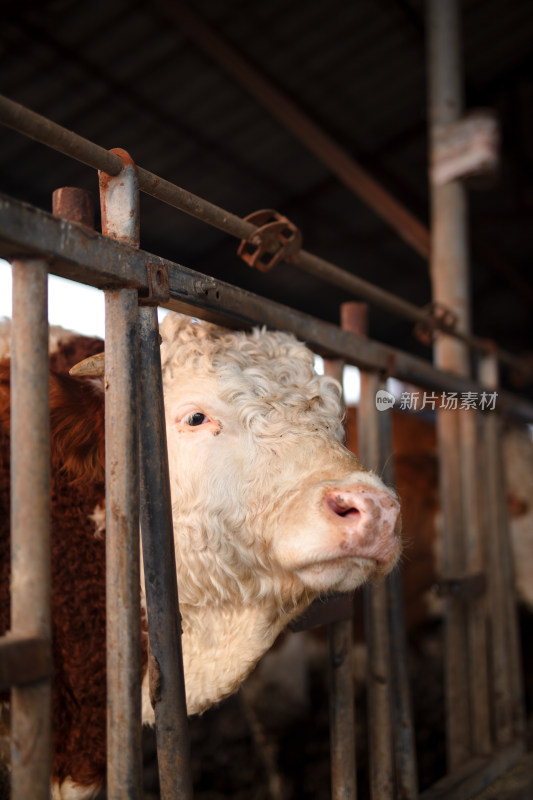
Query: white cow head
column 269, row 508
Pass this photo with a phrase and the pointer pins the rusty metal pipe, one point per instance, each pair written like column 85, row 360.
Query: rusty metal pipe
column 31, row 705
column 71, row 144
column 165, row 661
column 402, row 716
column 450, row 286
column 379, row 678
column 473, row 489
column 120, row 214
column 122, row 549
column 393, row 770
column 342, row 711
column 98, row 261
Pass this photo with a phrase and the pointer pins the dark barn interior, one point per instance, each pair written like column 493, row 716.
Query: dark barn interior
column 243, row 104
column 125, row 74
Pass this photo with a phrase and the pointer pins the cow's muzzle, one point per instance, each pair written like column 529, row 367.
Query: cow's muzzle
column 365, row 521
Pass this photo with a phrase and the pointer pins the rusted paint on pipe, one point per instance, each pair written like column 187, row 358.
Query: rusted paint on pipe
column 164, row 621
column 74, row 204
column 30, row 522
column 119, row 201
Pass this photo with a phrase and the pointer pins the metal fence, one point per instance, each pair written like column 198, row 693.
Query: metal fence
column 484, row 703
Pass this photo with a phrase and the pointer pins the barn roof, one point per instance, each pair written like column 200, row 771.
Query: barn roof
column 128, row 73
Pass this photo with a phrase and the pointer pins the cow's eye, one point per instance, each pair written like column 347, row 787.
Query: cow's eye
column 196, row 419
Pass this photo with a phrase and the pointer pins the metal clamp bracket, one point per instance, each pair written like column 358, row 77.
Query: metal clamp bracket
column 440, row 318
column 276, row 239
column 158, row 285
column 468, row 147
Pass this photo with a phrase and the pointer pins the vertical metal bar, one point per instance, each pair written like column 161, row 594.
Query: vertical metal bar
column 449, row 275
column 30, row 522
column 379, row 679
column 476, row 608
column 160, row 573
column 120, row 219
column 403, row 730
column 506, row 669
column 342, row 711
column 341, row 688
column 390, row 716
column 123, row 615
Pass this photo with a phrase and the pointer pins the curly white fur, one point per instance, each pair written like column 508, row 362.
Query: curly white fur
column 272, row 436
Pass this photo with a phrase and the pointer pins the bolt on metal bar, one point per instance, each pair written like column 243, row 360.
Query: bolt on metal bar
column 31, row 705
column 123, row 614
column 164, row 621
column 71, row 144
column 341, row 688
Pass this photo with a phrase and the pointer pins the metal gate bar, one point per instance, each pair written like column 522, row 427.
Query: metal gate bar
column 475, row 605
column 31, row 704
column 98, row 261
column 123, row 615
column 379, row 678
column 120, row 219
column 507, row 690
column 164, row 624
column 450, row 287
column 341, row 686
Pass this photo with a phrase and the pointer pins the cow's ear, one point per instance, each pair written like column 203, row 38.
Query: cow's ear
column 77, row 428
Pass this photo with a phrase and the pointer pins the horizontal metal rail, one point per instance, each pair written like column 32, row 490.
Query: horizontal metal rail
column 79, row 254
column 49, row 133
column 75, row 252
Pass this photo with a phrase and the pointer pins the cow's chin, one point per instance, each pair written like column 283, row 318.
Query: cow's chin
column 337, row 575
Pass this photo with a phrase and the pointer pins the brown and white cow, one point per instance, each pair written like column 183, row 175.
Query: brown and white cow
column 269, row 509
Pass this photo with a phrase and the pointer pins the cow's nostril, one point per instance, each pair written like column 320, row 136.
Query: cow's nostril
column 342, row 507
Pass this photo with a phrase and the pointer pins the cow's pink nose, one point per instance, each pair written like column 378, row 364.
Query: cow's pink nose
column 365, row 519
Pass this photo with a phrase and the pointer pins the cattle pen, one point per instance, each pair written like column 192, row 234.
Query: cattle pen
column 485, row 708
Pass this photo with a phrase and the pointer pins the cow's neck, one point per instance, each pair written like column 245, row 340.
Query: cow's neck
column 221, row 645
